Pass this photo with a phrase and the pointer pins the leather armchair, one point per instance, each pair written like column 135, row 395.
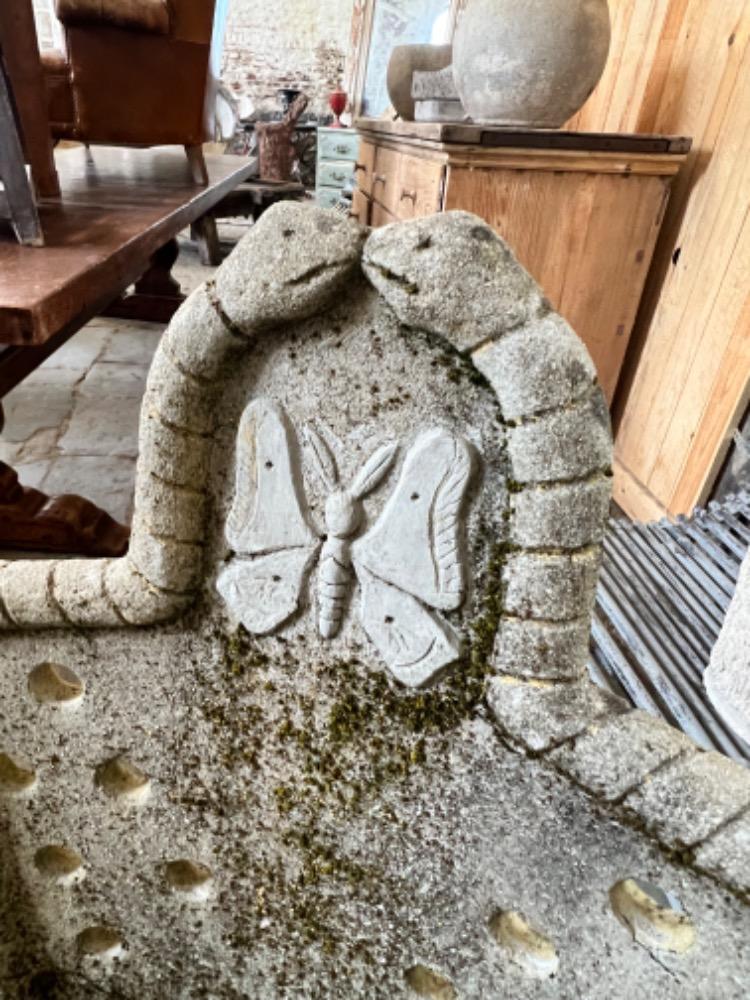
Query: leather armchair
column 135, row 73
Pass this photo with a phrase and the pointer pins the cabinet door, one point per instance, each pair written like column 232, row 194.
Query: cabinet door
column 587, row 238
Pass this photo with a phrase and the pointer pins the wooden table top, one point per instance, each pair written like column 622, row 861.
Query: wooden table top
column 118, row 207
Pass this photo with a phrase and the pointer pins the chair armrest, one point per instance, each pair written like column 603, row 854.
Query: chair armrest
column 151, row 16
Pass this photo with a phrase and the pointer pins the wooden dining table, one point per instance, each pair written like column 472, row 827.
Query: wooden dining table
column 114, row 226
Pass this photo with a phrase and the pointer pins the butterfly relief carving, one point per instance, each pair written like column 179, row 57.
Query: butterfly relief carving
column 409, row 564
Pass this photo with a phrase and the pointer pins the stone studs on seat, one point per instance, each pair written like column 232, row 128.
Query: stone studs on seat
column 57, row 685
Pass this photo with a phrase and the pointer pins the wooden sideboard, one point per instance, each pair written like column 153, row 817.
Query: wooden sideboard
column 582, row 211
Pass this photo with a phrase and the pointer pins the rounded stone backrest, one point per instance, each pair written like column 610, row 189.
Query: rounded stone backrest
column 387, row 441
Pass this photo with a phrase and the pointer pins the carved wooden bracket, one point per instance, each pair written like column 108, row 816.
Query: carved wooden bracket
column 33, row 521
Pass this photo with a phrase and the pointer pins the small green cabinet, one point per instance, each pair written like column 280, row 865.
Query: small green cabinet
column 337, row 155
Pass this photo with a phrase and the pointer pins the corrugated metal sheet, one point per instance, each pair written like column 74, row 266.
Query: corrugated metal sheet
column 663, row 594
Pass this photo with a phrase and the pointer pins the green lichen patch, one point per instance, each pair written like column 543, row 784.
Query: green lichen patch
column 311, row 752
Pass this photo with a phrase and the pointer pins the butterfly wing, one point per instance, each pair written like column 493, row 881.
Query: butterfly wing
column 416, row 644
column 415, row 544
column 264, row 592
column 267, row 523
column 267, row 512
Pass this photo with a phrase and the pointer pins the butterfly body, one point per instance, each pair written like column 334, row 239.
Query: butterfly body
column 335, row 577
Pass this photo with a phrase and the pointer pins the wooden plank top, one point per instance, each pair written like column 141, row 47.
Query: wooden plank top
column 495, row 136
column 118, row 207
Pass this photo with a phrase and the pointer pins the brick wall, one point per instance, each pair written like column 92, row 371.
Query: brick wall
column 292, row 43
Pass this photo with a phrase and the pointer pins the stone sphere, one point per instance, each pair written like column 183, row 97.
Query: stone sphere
column 531, row 64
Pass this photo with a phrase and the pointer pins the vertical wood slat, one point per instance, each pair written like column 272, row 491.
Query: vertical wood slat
column 683, row 66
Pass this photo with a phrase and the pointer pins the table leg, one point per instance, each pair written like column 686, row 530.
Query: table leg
column 156, row 296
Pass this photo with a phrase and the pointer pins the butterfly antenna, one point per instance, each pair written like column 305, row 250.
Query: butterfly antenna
column 323, row 459
column 375, row 469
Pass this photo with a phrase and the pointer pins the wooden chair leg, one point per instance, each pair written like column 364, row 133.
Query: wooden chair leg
column 205, row 234
column 197, row 163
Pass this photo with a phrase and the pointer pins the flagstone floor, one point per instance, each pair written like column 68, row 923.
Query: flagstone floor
column 72, row 425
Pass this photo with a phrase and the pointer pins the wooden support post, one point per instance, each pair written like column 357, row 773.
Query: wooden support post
column 20, row 52
column 18, row 201
column 156, row 296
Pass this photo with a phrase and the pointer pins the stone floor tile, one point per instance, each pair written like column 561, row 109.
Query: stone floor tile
column 114, row 381
column 43, row 376
column 107, row 482
column 104, row 426
column 32, row 474
column 131, row 343
column 30, row 408
column 82, row 350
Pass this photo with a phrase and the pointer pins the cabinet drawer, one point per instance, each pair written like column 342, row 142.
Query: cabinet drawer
column 407, row 186
column 337, row 144
column 332, row 174
column 327, row 197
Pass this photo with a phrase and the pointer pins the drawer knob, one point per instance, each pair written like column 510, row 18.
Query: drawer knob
column 341, row 149
column 378, row 178
column 410, row 195
column 360, row 166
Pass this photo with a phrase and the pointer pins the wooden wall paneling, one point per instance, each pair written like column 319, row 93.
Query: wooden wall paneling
column 720, row 418
column 615, row 104
column 680, row 66
column 672, row 426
